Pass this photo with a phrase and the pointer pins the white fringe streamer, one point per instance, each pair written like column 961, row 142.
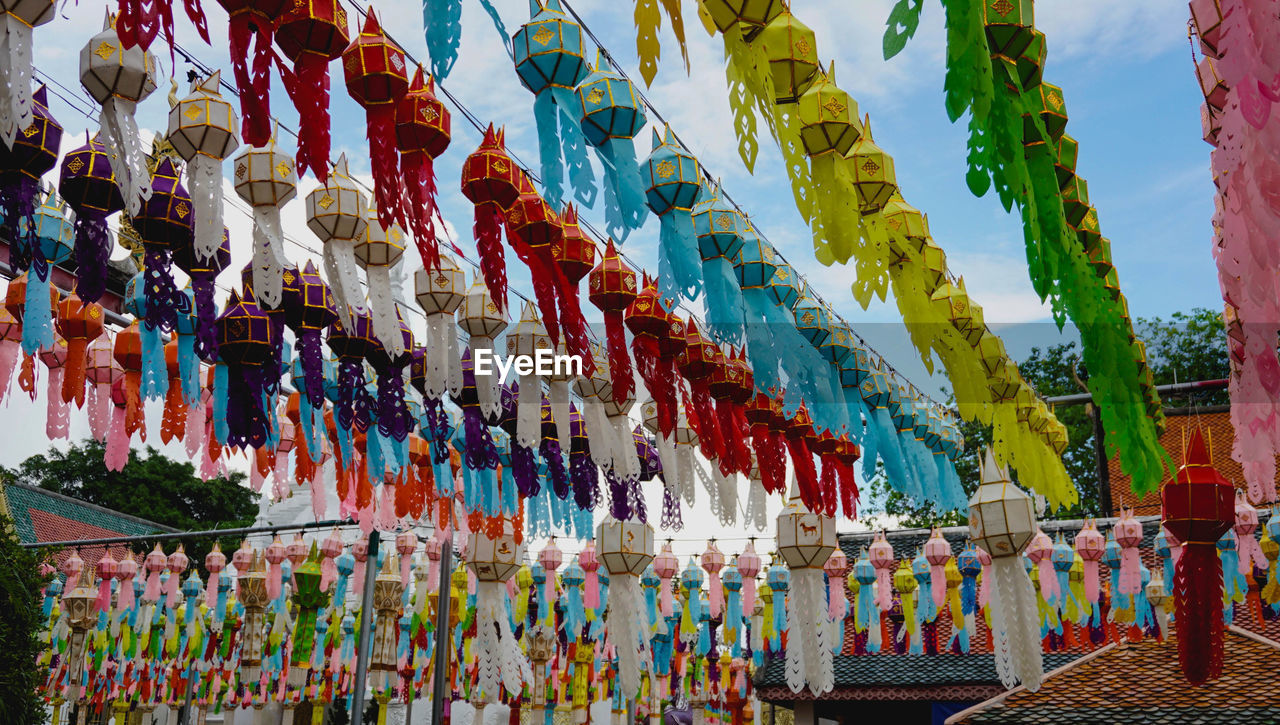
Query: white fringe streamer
column 268, row 253
column 16, row 112
column 344, row 280
column 529, row 411
column 810, row 634
column 1015, row 632
column 204, row 181
column 119, row 134
column 487, row 386
column 622, row 620
column 382, row 306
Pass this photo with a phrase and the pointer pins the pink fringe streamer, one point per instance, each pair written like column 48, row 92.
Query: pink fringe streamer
column 117, row 453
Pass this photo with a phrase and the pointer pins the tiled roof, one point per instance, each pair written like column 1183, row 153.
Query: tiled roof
column 40, row 516
column 1142, row 683
column 941, row 670
column 1220, row 435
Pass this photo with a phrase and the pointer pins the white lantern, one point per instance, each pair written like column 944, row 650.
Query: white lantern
column 119, row 79
column 558, row 395
column 805, row 542
column 626, row 548
column 17, row 20
column 267, row 179
column 377, row 251
column 595, row 389
column 483, row 320
column 1002, row 523
column 499, row 656
column 526, row 340
column 336, row 214
column 666, row 446
column 439, row 293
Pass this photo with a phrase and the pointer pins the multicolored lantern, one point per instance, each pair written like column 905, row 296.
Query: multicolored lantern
column 377, row 78
column 89, row 186
column 52, row 237
column 626, row 549
column 309, row 309
column 440, row 289
column 119, row 75
column 312, row 33
column 336, row 213
column 495, row 560
column 79, row 324
column 422, row 134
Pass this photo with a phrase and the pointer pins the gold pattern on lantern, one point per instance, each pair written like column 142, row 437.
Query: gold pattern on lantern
column 724, row 222
column 341, row 16
column 326, row 201
column 441, row 280
column 193, row 112
column 834, row 106
column 182, row 210
column 595, row 96
column 491, row 308
column 803, row 47
column 30, row 131
column 630, row 283
column 666, row 168
column 1055, row 100
column 283, row 169
column 782, row 274
column 517, row 216
column 870, row 166
column 241, row 170
column 105, row 50
column 288, row 276
column 544, row 35
column 500, row 166
column 95, row 312
column 75, row 165
column 807, row 318
column 236, row 327
column 1004, row 7
column 894, row 224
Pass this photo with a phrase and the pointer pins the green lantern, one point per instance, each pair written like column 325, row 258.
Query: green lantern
column 792, row 50
column 1010, row 26
column 309, row 598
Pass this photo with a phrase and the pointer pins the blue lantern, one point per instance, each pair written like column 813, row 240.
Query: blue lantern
column 721, row 235
column 155, row 372
column 673, row 187
column 54, row 238
column 611, row 114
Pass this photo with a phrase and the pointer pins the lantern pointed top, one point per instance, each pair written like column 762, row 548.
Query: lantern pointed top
column 530, row 312
column 991, row 471
column 340, row 167
column 211, row 84
column 371, row 24
column 1194, row 451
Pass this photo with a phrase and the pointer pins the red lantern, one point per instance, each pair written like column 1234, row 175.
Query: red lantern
column 253, row 21
column 732, row 388
column 575, row 256
column 128, row 352
column 312, row 33
column 798, row 430
column 650, row 323
column 377, row 78
column 533, row 228
column 1198, row 507
column 696, row 363
column 612, row 288
column 422, row 134
column 490, row 180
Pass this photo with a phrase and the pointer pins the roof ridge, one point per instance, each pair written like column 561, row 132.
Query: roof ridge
column 987, row 704
column 93, row 506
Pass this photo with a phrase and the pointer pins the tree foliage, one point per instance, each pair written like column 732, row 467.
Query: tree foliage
column 1185, row 347
column 20, row 585
column 151, row 486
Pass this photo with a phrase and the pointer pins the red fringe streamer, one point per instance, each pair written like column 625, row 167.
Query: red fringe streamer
column 728, row 463
column 710, row 441
column 311, row 98
column 488, row 234
column 253, row 82
column 848, row 489
column 1197, row 592
column 263, row 461
column 544, row 282
column 806, row 472
column 404, row 493
column 173, row 424
column 573, row 324
column 766, row 456
column 133, row 403
column 74, row 374
column 659, row 378
column 778, row 443
column 741, row 434
column 419, row 175
column 304, row 470
column 384, row 159
column 622, row 377
column 829, row 491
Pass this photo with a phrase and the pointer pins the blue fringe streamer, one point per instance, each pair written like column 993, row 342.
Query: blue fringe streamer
column 442, row 29
column 627, row 210
column 37, row 317
column 189, row 369
column 724, row 303
column 221, row 385
column 155, row 373
column 681, row 276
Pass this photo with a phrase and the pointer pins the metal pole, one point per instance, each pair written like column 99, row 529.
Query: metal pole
column 366, row 618
column 1100, row 459
column 439, row 689
column 1078, row 398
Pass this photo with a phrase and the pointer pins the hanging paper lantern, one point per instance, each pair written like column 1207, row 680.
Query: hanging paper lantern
column 79, row 324
column 422, row 134
column 549, row 62
column 806, row 541
column 528, row 339
column 720, row 230
column 534, row 229
column 791, row 49
column 352, row 342
column 165, row 224
column 336, row 213
column 674, row 182
column 204, row 131
column 829, row 126
column 51, row 245
column 440, row 290
column 203, row 274
column 1002, row 522
column 696, row 364
column 732, row 388
column 311, row 34
column 377, row 251
column 1009, row 27
column 483, row 319
column 393, row 414
column 650, row 323
column 22, row 162
column 727, row 14
column 54, row 358
column 873, row 176
column 755, row 266
column 17, row 21
column 253, row 21
column 89, row 187
column 495, row 560
column 1198, row 507
column 128, row 354
column 626, row 549
column 309, row 309
column 490, row 181
column 612, row 288
column 119, row 76
column 575, row 257
column 267, row 179
column 377, row 78
column 101, row 370
column 245, row 341
column 611, row 114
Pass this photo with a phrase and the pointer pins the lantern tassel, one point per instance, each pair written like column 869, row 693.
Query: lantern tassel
column 679, row 273
column 488, row 234
column 618, row 157
column 546, row 119
column 268, row 255
column 1198, row 600
column 388, row 188
column 16, row 108
column 92, row 249
column 119, row 134
column 204, row 179
column 659, row 379
column 382, row 306
column 723, row 302
column 253, row 80
column 621, row 376
column 311, row 97
column 344, row 279
column 418, row 171
column 37, row 317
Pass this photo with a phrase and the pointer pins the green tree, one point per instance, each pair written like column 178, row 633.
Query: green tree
column 20, row 585
column 151, row 486
column 1185, row 347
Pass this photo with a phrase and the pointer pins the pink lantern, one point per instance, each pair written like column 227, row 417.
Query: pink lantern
column 406, row 544
column 360, row 550
column 550, row 558
column 55, row 359
column 330, row 549
column 155, row 563
column 177, row 563
column 1090, row 545
column 748, row 564
column 101, row 370
column 1247, row 548
column 71, row 568
column 215, row 561
column 712, row 563
column 881, row 556
column 275, row 556
column 106, row 571
column 126, row 570
column 296, row 551
column 1040, row 552
column 242, row 560
column 937, row 550
column 837, row 569
column 434, row 548
column 590, row 564
column 665, row 566
column 1128, row 532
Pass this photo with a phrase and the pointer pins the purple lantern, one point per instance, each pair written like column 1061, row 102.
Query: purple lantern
column 393, row 415
column 203, row 273
column 308, row 309
column 246, row 338
column 34, row 152
column 89, row 186
column 352, row 345
column 165, row 223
